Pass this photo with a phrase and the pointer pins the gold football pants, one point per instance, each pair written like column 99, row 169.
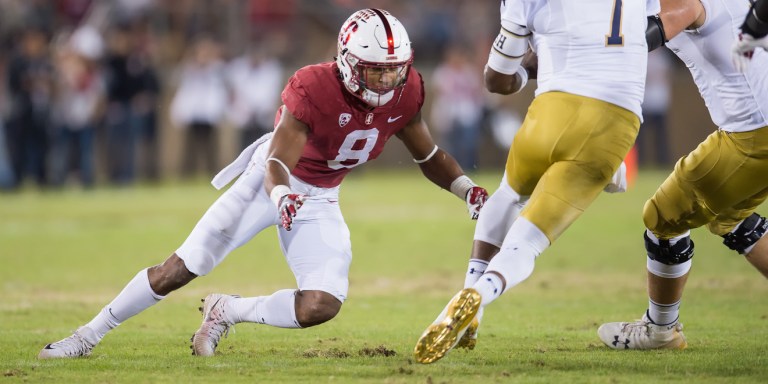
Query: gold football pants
column 564, row 154
column 719, row 184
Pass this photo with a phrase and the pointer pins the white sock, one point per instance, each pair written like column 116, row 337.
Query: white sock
column 278, row 310
column 515, row 260
column 474, row 271
column 663, row 314
column 490, row 288
column 133, row 299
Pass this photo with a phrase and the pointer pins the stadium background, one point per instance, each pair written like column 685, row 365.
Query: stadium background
column 298, row 33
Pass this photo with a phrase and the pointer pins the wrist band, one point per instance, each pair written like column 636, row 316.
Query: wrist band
column 461, row 186
column 276, row 160
column 424, row 160
column 278, row 192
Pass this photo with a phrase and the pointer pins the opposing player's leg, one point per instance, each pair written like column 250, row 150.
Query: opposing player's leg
column 318, row 251
column 240, row 213
column 499, row 212
column 725, row 171
column 579, row 161
column 668, row 264
column 563, row 170
column 744, row 231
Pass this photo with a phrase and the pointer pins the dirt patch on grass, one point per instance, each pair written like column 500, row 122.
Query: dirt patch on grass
column 333, row 353
column 378, row 351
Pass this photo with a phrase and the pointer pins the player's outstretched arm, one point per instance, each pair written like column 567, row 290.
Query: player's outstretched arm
column 440, row 167
column 286, row 147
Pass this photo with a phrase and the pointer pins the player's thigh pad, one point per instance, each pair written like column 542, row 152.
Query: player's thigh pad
column 498, row 214
column 318, row 248
column 237, row 215
column 719, row 184
column 565, row 153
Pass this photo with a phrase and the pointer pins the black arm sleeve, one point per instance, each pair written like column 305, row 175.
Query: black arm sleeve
column 654, row 33
column 756, row 23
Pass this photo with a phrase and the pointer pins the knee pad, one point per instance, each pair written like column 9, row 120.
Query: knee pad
column 747, row 234
column 668, row 254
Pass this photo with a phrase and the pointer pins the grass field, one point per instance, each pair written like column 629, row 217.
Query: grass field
column 64, row 255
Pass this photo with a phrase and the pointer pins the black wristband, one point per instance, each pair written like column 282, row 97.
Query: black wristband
column 753, row 25
column 654, row 33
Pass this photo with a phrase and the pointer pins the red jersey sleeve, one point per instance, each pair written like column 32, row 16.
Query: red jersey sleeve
column 295, row 98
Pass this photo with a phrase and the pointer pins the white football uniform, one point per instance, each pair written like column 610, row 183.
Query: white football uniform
column 318, row 248
column 737, row 102
column 570, row 40
column 592, row 49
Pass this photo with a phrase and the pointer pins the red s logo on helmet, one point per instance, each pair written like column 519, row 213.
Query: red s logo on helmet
column 347, row 32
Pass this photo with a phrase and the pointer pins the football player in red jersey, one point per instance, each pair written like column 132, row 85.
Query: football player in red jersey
column 335, row 116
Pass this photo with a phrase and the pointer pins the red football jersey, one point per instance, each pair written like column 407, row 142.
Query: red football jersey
column 344, row 131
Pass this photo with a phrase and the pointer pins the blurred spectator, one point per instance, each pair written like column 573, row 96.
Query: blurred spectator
column 30, row 90
column 199, row 105
column 129, row 93
column 256, row 80
column 652, row 138
column 6, row 173
column 145, row 106
column 458, row 107
column 78, row 106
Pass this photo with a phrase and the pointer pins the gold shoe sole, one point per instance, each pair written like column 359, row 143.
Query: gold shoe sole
column 439, row 338
column 469, row 340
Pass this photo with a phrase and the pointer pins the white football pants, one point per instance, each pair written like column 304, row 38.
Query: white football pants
column 318, row 248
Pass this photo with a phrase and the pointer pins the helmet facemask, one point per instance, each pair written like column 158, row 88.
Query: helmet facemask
column 378, row 82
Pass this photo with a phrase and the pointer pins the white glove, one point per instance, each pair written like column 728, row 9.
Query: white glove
column 618, row 181
column 744, row 48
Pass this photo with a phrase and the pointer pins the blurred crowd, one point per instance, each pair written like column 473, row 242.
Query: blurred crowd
column 100, row 91
column 114, row 92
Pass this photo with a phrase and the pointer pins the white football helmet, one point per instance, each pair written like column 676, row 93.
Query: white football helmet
column 374, row 56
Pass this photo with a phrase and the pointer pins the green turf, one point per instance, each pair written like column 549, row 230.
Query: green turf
column 64, row 255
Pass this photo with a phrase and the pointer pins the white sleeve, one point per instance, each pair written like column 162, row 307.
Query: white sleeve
column 510, row 45
column 509, row 48
column 652, row 7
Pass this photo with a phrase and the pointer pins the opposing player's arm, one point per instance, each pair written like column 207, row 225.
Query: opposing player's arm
column 754, row 35
column 756, row 22
column 675, row 17
column 440, row 167
column 497, row 82
column 510, row 62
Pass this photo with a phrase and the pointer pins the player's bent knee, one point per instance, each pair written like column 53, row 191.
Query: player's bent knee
column 315, row 307
column 652, row 217
column 744, row 237
column 169, row 276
